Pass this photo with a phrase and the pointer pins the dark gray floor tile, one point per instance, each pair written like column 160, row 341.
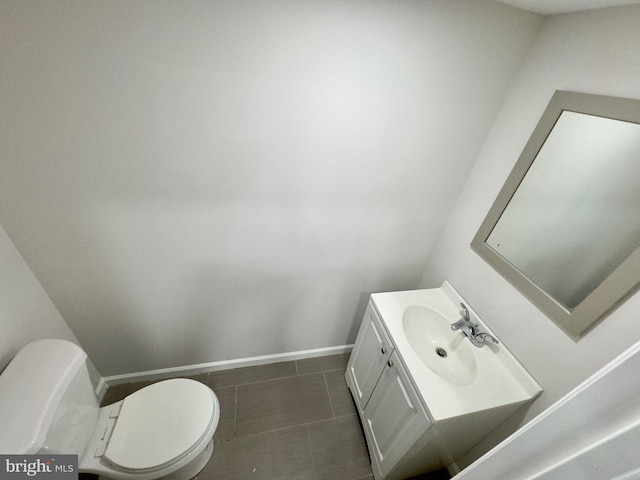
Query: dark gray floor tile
column 281, row 403
column 227, row 424
column 338, row 449
column 118, row 392
column 323, row 364
column 442, row 474
column 339, row 394
column 201, row 377
column 269, row 414
column 258, row 373
column 277, row 455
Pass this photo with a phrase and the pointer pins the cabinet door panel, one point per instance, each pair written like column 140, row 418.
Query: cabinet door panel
column 369, row 356
column 393, row 416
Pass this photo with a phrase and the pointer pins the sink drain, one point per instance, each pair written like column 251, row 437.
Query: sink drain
column 441, row 352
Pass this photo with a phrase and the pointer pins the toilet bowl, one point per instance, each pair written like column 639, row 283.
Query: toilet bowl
column 48, row 405
column 163, row 430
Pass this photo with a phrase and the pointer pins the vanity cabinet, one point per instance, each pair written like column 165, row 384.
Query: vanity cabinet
column 392, row 415
column 393, row 419
column 416, row 414
column 369, row 356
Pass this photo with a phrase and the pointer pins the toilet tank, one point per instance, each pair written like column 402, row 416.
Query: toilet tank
column 47, row 401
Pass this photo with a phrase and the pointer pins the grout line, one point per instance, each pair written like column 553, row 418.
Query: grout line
column 235, row 412
column 256, row 381
column 326, row 385
column 322, row 420
column 280, row 429
column 313, row 463
column 264, row 380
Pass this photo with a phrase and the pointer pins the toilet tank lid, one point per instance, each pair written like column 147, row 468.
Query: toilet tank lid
column 30, row 390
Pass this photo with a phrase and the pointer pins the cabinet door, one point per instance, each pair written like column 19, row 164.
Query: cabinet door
column 393, row 417
column 369, row 357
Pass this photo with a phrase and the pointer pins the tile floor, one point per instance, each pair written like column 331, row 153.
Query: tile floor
column 292, row 420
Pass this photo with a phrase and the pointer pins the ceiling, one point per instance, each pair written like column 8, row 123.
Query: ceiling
column 550, row 7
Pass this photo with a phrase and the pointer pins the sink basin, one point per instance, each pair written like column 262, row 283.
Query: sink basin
column 453, row 377
column 446, row 352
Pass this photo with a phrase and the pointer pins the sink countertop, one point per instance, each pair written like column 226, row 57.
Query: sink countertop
column 500, row 380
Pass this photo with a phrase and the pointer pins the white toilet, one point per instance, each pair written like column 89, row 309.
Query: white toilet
column 48, row 406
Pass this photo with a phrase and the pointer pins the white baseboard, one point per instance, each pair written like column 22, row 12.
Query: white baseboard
column 189, row 370
column 101, row 388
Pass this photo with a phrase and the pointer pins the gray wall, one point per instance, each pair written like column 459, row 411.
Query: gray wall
column 595, row 52
column 201, row 181
column 26, row 312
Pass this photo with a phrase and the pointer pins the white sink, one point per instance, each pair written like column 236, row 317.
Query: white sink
column 444, row 351
column 454, row 377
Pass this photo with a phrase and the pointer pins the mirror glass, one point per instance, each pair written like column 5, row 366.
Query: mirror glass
column 568, row 218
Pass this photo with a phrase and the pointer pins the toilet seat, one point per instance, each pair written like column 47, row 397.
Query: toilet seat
column 160, row 424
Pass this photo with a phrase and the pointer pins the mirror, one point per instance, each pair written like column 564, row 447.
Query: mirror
column 565, row 228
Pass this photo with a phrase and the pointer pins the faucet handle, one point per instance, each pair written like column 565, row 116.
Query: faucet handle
column 482, row 337
column 464, row 311
column 457, row 325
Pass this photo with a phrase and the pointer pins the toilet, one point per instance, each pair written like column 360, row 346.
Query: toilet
column 48, row 406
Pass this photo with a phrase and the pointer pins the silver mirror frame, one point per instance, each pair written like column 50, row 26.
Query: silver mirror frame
column 615, row 288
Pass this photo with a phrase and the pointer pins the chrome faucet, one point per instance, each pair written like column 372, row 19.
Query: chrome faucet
column 465, row 324
column 480, row 339
column 471, row 330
